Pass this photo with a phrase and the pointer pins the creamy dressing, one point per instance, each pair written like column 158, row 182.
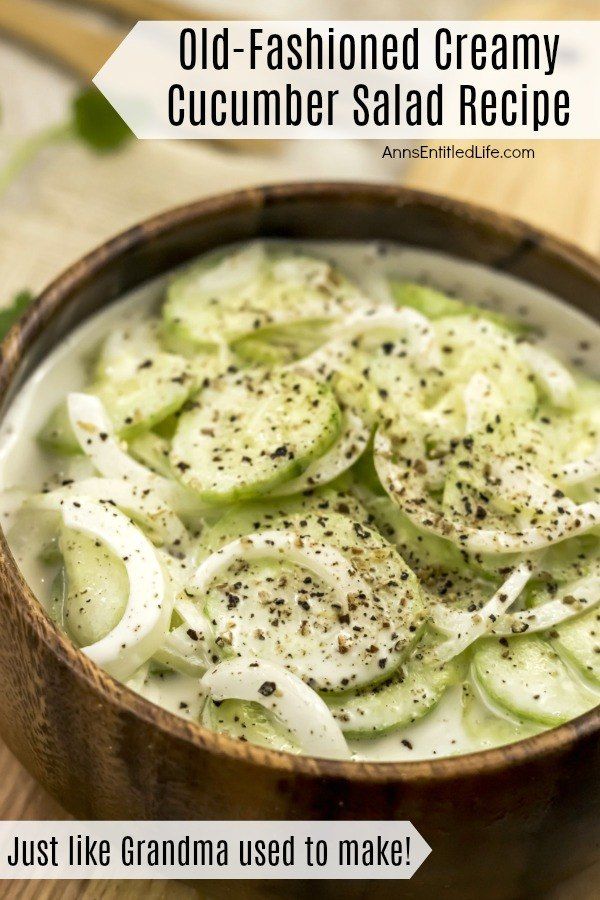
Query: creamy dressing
column 24, row 465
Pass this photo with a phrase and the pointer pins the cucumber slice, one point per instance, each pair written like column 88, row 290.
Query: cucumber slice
column 365, row 480
column 134, row 403
column 97, row 587
column 253, row 431
column 380, row 383
column 564, row 564
column 474, row 347
column 568, row 440
column 58, row 597
column 525, row 676
column 263, row 515
column 488, row 729
column 579, row 640
column 160, row 386
column 435, row 305
column 350, row 445
column 57, row 435
column 289, row 614
column 421, row 549
column 248, row 721
column 226, row 298
column 260, row 352
column 275, row 346
column 493, row 473
column 413, row 691
column 152, row 451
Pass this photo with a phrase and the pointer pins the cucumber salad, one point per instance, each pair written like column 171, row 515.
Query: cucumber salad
column 300, row 496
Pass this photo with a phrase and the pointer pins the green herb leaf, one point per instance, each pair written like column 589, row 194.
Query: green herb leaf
column 10, row 315
column 96, row 123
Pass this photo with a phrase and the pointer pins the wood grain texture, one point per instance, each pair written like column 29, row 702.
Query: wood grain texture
column 81, row 48
column 97, row 890
column 558, row 191
column 133, row 10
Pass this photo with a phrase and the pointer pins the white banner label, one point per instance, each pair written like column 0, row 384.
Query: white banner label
column 357, row 80
column 216, row 850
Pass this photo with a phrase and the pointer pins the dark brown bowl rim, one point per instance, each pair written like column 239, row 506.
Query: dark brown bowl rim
column 30, row 326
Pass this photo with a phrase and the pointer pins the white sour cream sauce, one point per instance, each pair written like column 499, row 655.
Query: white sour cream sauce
column 571, row 335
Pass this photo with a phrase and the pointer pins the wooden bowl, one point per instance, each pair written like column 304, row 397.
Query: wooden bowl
column 503, row 823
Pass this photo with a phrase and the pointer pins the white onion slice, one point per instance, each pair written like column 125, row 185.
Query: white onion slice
column 582, row 595
column 580, row 521
column 183, row 654
column 95, row 435
column 482, row 400
column 475, row 625
column 579, row 471
column 94, row 432
column 422, row 341
column 322, row 559
column 552, row 377
column 147, row 506
column 527, row 487
column 421, row 344
column 178, row 568
column 353, row 440
column 345, row 635
column 194, row 617
column 296, row 705
column 141, row 630
column 194, row 638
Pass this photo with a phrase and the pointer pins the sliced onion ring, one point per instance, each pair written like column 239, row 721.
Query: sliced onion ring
column 296, row 705
column 322, row 559
column 142, row 628
column 145, row 505
column 475, row 625
column 582, row 595
column 481, row 400
column 350, row 445
column 421, row 345
column 95, row 435
column 552, row 377
column 579, row 471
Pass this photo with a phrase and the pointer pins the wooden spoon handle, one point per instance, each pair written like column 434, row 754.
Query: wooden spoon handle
column 134, row 10
column 80, row 48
